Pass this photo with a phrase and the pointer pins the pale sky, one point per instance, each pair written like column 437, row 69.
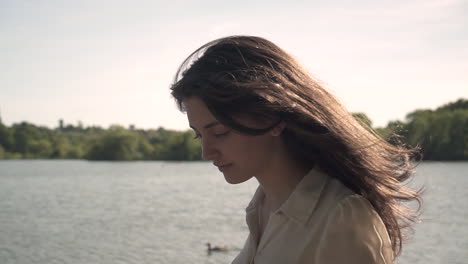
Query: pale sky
column 106, row 62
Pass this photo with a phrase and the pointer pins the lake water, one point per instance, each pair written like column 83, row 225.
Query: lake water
column 164, row 212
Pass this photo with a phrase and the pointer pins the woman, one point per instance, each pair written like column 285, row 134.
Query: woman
column 329, row 188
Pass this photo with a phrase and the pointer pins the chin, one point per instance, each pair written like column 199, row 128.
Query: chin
column 233, row 179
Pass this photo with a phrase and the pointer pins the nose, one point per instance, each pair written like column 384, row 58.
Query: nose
column 209, row 152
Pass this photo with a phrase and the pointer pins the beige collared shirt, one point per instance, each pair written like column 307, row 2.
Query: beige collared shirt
column 322, row 222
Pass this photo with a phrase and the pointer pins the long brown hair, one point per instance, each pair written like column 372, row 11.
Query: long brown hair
column 245, row 75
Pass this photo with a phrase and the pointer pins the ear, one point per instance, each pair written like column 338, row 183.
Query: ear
column 278, row 129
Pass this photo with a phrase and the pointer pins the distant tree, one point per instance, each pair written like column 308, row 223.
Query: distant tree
column 23, row 134
column 457, row 105
column 60, row 146
column 144, row 149
column 6, row 138
column 440, row 133
column 115, row 144
column 179, row 146
column 40, row 148
column 2, row 152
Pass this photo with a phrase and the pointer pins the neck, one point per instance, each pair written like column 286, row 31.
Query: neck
column 280, row 180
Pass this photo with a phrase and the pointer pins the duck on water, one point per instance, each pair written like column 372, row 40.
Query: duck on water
column 216, row 248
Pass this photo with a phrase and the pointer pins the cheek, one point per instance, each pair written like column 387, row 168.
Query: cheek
column 252, row 151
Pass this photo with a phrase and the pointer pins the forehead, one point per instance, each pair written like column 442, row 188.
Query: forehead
column 197, row 113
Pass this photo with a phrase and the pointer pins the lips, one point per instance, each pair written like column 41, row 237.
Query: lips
column 223, row 167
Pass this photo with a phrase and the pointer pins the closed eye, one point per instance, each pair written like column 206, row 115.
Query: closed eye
column 222, row 134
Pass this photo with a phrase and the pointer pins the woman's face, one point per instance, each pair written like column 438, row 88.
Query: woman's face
column 238, row 156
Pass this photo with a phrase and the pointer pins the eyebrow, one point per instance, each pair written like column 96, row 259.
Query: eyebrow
column 212, row 124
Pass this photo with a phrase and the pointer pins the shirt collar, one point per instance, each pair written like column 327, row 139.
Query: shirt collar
column 256, row 199
column 302, row 201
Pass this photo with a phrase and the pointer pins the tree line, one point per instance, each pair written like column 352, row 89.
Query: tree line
column 442, row 134
column 27, row 141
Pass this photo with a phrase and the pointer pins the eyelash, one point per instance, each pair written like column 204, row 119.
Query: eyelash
column 222, row 134
column 197, row 136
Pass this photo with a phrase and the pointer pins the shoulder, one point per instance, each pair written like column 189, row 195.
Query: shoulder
column 355, row 208
column 356, row 216
column 354, row 233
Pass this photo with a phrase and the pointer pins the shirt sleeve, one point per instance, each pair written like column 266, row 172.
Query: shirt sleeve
column 354, row 234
